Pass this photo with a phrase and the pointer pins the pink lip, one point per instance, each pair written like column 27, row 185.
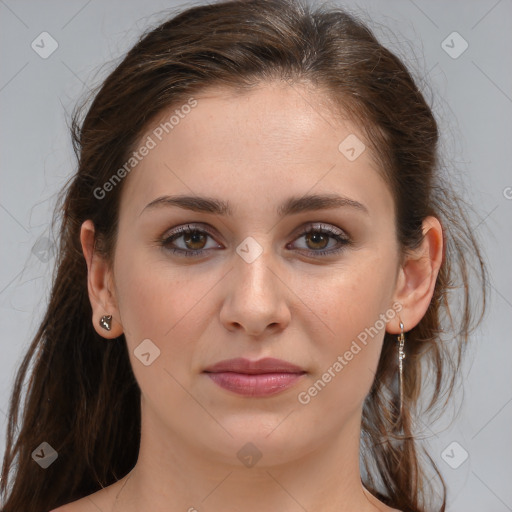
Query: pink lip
column 265, row 377
column 265, row 365
column 263, row 384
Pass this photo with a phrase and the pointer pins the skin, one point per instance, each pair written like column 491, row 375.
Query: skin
column 254, row 150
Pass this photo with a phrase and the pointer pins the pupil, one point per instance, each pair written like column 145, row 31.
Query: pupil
column 193, row 237
column 314, row 237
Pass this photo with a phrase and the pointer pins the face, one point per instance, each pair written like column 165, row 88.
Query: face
column 279, row 276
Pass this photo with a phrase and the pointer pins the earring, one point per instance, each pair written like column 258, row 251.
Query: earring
column 106, row 322
column 401, row 356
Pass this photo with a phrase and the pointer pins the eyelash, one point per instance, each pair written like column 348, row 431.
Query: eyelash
column 343, row 240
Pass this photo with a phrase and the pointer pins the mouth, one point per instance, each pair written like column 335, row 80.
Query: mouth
column 262, row 384
column 265, row 377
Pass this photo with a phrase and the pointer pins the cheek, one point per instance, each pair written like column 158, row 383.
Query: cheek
column 350, row 298
column 157, row 306
column 350, row 308
column 161, row 303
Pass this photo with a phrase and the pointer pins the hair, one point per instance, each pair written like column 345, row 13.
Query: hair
column 82, row 397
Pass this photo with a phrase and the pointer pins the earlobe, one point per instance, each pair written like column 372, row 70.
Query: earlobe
column 99, row 279
column 417, row 276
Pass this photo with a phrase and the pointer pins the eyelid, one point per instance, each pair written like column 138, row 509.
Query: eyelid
column 192, row 226
column 322, row 226
column 306, row 227
column 341, row 236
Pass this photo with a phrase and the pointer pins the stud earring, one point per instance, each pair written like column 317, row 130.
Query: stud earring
column 106, row 322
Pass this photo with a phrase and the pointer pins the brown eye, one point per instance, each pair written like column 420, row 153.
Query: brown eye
column 318, row 237
column 321, row 240
column 318, row 240
column 193, row 239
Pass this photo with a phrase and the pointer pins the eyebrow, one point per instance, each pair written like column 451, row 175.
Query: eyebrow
column 291, row 206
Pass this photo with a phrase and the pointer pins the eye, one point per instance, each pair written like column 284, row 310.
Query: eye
column 317, row 237
column 193, row 238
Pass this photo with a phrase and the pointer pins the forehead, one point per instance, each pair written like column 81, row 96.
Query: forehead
column 253, row 147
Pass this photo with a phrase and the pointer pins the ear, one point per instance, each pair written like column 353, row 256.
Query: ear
column 99, row 284
column 417, row 277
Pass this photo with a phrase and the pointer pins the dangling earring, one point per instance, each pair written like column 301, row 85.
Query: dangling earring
column 401, row 356
column 106, row 322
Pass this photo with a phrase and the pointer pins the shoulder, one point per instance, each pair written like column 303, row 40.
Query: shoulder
column 100, row 500
column 70, row 507
column 103, row 499
column 378, row 504
column 82, row 505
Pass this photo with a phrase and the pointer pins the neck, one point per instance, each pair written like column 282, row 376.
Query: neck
column 173, row 476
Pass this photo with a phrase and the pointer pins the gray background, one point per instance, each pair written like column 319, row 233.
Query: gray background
column 472, row 98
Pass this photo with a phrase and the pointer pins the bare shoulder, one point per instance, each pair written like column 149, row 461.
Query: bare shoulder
column 103, row 499
column 385, row 508
column 81, row 505
column 379, row 505
column 100, row 500
column 75, row 506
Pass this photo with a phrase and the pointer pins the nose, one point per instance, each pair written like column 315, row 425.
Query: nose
column 256, row 296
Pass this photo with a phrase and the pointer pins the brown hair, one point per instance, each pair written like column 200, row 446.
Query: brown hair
column 82, row 397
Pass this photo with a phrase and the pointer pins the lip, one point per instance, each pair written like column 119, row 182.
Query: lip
column 265, row 377
column 265, row 365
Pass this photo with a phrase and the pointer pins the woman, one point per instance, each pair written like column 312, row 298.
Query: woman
column 254, row 262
